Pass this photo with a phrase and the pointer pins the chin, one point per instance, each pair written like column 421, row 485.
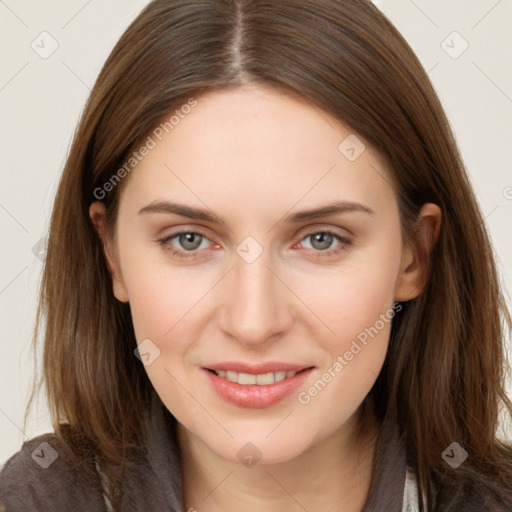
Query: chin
column 259, row 450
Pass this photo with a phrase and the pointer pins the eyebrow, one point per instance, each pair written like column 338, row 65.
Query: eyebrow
column 294, row 218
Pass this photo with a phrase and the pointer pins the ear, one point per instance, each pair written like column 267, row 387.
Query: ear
column 98, row 215
column 414, row 267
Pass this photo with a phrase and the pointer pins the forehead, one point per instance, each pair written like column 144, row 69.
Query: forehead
column 255, row 147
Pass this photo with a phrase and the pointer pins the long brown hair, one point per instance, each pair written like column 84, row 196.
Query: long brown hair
column 443, row 378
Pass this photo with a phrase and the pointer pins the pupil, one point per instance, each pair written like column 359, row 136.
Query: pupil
column 187, row 240
column 325, row 243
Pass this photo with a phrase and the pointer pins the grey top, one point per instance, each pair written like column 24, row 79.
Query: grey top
column 40, row 477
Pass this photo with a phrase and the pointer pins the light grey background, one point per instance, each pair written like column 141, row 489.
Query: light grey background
column 41, row 100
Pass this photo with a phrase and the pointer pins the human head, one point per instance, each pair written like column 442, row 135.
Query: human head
column 347, row 60
column 279, row 303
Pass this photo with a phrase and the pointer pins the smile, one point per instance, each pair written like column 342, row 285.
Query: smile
column 262, row 379
column 256, row 386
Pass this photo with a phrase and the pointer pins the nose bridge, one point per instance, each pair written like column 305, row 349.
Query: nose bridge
column 255, row 308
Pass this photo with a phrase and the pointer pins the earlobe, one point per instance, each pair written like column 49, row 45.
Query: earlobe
column 98, row 215
column 414, row 268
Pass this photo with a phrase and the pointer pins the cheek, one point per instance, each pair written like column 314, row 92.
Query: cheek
column 165, row 303
column 352, row 298
column 357, row 309
column 361, row 321
column 160, row 294
column 152, row 304
column 353, row 358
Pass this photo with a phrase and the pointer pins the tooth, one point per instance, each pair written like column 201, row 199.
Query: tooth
column 232, row 376
column 280, row 376
column 246, row 378
column 265, row 378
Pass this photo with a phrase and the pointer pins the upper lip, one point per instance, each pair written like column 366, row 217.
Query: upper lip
column 257, row 369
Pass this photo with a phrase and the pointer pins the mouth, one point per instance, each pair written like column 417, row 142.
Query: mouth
column 260, row 379
column 257, row 386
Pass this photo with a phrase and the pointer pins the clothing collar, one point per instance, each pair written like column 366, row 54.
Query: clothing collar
column 388, row 482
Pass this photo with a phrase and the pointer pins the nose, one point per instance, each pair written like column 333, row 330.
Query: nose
column 257, row 305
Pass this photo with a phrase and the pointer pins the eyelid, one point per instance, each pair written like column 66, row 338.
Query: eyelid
column 196, row 230
column 342, row 239
column 322, row 228
column 167, row 238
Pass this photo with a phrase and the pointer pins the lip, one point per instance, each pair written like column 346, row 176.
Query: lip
column 257, row 369
column 256, row 396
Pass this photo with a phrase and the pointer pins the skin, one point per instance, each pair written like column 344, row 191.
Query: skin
column 253, row 155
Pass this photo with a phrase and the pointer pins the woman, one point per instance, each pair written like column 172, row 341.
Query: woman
column 268, row 283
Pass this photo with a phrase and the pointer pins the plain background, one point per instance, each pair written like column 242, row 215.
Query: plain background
column 41, row 100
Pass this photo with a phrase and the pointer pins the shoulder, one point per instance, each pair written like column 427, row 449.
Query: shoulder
column 42, row 476
column 476, row 500
column 484, row 502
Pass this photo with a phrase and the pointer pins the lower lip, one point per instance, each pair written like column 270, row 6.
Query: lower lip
column 254, row 396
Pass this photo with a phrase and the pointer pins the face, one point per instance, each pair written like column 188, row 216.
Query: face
column 226, row 267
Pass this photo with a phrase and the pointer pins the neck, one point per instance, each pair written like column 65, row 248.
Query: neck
column 333, row 475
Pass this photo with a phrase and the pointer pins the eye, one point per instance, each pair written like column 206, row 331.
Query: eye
column 189, row 241
column 321, row 242
column 187, row 244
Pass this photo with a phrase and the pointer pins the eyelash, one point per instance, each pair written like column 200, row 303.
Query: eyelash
column 191, row 255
